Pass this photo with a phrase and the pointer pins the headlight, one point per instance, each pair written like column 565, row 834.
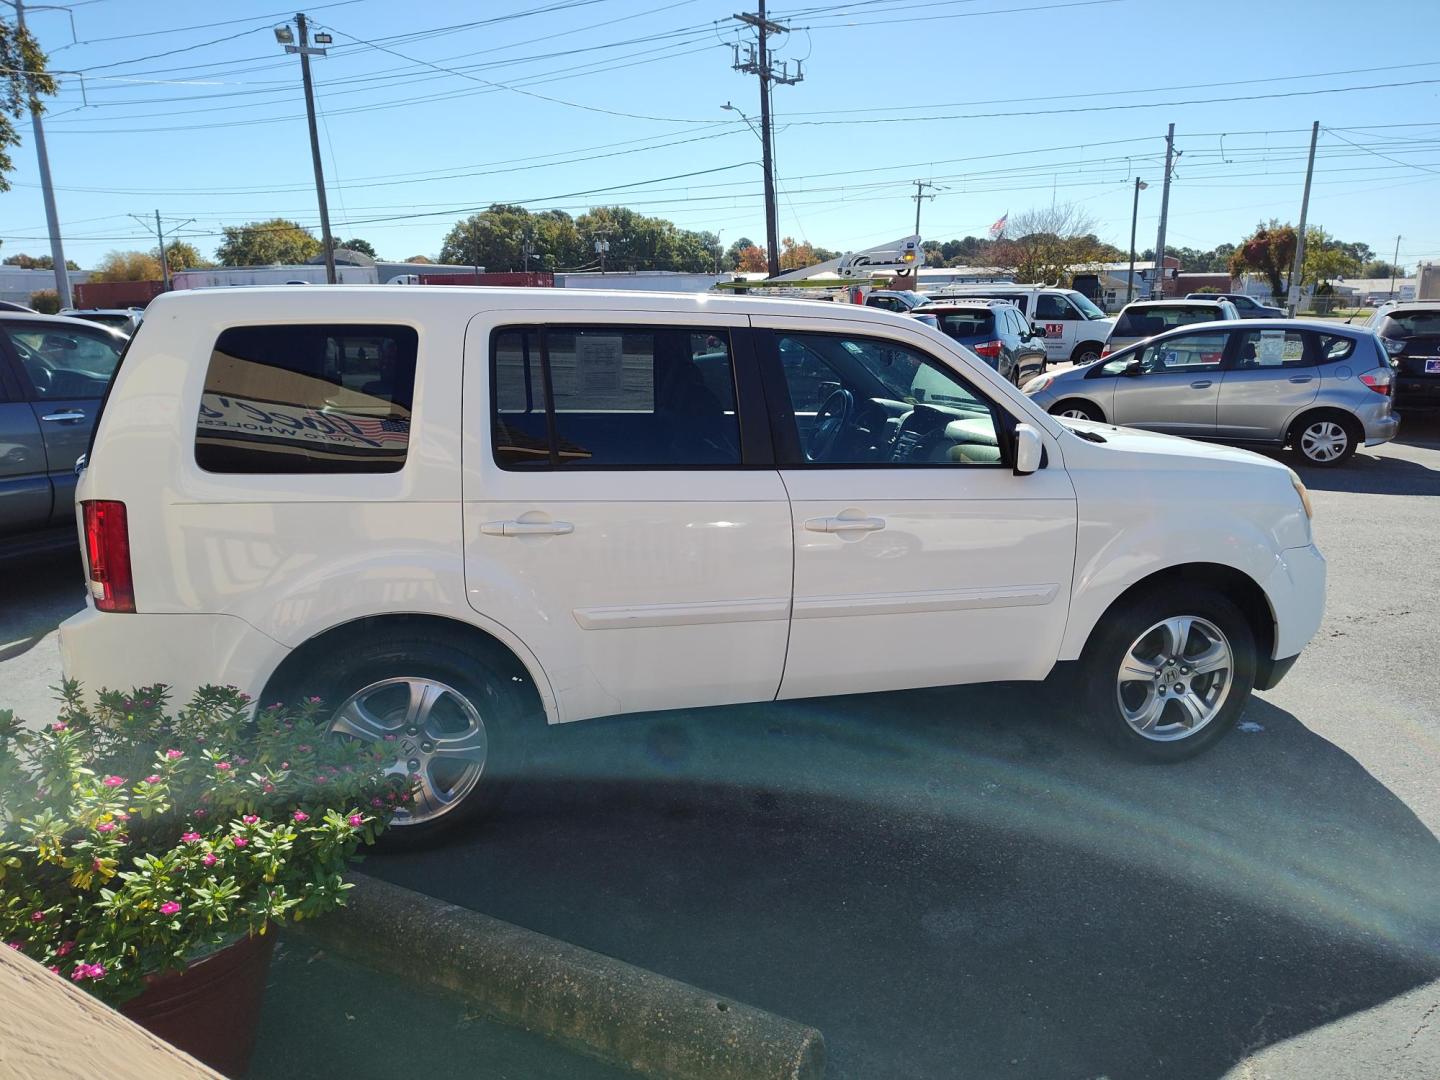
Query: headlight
column 1035, row 385
column 1304, row 495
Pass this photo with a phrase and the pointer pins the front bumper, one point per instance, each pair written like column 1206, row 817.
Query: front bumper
column 1296, row 591
column 110, row 651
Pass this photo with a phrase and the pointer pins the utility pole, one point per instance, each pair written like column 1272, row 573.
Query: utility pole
column 602, row 248
column 160, row 239
column 1292, row 294
column 761, row 65
column 1140, row 186
column 920, row 186
column 306, row 50
column 1395, row 269
column 1157, row 287
column 52, row 217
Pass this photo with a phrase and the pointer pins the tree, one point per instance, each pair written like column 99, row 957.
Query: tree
column 266, row 243
column 420, row 259
column 494, row 238
column 25, row 81
column 37, row 262
column 182, row 256
column 46, row 301
column 1269, row 251
column 753, row 260
column 1048, row 244
column 127, row 266
column 1376, row 268
column 734, row 251
column 1327, row 259
column 362, row 246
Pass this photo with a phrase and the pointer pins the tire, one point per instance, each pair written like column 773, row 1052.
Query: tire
column 1314, row 439
column 1138, row 634
column 1087, row 352
column 466, row 700
column 1080, row 410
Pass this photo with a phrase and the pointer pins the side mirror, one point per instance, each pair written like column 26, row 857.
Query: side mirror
column 1038, row 331
column 1135, row 367
column 1028, row 449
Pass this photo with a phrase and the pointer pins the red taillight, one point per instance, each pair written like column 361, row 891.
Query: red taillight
column 990, row 350
column 107, row 549
column 1106, row 351
column 1379, row 381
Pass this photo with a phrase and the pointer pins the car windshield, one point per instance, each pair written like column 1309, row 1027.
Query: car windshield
column 1149, row 321
column 1407, row 324
column 1086, row 306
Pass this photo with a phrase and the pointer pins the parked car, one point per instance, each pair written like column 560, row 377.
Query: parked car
column 1322, row 389
column 1410, row 333
column 125, row 320
column 1246, row 306
column 995, row 331
column 11, row 305
column 1075, row 329
column 455, row 515
column 900, row 300
column 53, row 372
column 1145, row 318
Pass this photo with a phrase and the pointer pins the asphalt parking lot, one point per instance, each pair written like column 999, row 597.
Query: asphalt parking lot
column 956, row 883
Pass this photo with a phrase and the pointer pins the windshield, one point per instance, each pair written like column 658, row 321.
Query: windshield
column 1149, row 321
column 1086, row 306
column 1407, row 324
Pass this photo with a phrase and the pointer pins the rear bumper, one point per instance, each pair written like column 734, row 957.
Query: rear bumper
column 1382, row 429
column 1296, row 591
column 107, row 651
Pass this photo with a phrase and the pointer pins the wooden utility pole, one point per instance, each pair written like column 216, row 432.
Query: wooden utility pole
column 1292, row 294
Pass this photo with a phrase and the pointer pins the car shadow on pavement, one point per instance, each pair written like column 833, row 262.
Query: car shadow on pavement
column 958, row 882
column 1371, row 475
column 33, row 599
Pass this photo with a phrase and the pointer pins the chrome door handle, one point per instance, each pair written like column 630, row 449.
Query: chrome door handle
column 69, row 416
column 844, row 524
column 1201, row 384
column 526, row 528
column 1301, row 378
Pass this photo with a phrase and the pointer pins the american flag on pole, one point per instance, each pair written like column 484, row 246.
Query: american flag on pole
column 998, row 229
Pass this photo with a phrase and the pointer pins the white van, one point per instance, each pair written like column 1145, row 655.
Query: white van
column 1075, row 329
column 458, row 514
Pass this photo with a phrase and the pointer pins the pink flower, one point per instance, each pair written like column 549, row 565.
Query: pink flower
column 37, row 916
column 190, row 837
column 105, row 826
column 113, row 781
column 376, row 802
column 55, row 968
column 208, row 860
column 120, row 815
column 304, row 748
column 223, row 766
column 239, row 841
column 244, row 699
column 284, row 764
column 355, row 820
column 269, row 788
column 65, row 948
column 250, row 819
column 152, row 779
column 14, row 945
column 201, row 813
column 300, row 816
column 174, row 755
column 314, row 700
column 59, row 725
column 96, row 865
column 170, row 907
column 242, row 762
column 322, row 779
column 88, row 971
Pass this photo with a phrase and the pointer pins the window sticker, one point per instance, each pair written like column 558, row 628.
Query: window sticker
column 599, row 361
column 1272, row 348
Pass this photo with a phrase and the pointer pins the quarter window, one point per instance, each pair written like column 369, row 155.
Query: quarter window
column 1334, row 347
column 309, row 398
column 613, row 397
column 1273, row 349
column 65, row 361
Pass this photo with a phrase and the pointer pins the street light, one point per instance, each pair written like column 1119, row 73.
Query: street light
column 731, row 108
column 284, row 35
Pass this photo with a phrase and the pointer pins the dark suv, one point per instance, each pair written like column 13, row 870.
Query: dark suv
column 1247, row 307
column 993, row 330
column 1411, row 334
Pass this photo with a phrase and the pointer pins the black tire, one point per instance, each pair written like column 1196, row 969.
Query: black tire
column 504, row 707
column 1087, row 352
column 1111, row 643
column 1083, row 410
column 1323, row 422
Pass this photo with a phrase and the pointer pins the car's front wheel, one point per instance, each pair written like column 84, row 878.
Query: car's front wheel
column 1168, row 673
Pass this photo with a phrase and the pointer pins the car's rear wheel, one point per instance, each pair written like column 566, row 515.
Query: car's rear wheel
column 454, row 721
column 1325, row 439
column 1077, row 410
column 1169, row 672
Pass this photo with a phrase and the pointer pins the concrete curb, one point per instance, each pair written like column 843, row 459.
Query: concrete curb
column 604, row 1007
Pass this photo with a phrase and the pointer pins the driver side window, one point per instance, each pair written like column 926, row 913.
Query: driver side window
column 62, row 361
column 867, row 401
column 1053, row 309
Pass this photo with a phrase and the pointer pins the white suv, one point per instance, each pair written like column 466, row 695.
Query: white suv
column 455, row 513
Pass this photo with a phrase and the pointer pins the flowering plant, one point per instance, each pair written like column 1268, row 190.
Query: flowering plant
column 133, row 841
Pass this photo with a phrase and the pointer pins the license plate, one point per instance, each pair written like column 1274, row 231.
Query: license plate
column 1432, row 365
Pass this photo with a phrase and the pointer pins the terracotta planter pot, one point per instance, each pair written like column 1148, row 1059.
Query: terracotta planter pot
column 211, row 1010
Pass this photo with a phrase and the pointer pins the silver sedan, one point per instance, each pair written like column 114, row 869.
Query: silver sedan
column 1323, row 389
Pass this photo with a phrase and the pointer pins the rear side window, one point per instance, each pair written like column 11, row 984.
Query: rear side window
column 322, row 398
column 1276, row 348
column 1334, row 347
column 613, row 397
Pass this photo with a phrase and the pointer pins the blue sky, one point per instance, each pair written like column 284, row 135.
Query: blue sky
column 432, row 108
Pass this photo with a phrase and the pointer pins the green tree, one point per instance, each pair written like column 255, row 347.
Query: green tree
column 736, row 250
column 46, row 301
column 493, row 238
column 266, row 243
column 25, row 81
column 127, row 266
column 1269, row 251
column 362, row 246
column 1327, row 259
column 37, row 262
column 1049, row 244
column 420, row 259
column 180, row 255
column 1375, row 268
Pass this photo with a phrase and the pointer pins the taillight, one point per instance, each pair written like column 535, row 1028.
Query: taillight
column 1106, row 351
column 107, row 549
column 990, row 350
column 1379, row 381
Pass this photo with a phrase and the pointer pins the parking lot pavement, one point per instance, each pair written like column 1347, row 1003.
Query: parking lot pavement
column 36, row 595
column 956, row 882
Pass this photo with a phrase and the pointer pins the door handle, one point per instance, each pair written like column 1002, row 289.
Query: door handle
column 844, row 524
column 1301, row 378
column 526, row 528
column 69, row 416
column 1201, row 384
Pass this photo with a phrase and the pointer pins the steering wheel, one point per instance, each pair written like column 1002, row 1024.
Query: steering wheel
column 833, row 418
column 42, row 374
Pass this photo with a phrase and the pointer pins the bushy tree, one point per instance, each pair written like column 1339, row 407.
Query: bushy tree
column 1049, row 244
column 24, row 80
column 1269, row 251
column 1375, row 268
column 752, row 260
column 357, row 244
column 1327, row 259
column 180, row 255
column 266, row 243
column 46, row 301
column 37, row 262
column 734, row 251
column 127, row 266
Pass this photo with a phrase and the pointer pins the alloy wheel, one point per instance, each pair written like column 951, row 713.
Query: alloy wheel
column 437, row 734
column 1174, row 679
column 1324, row 441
